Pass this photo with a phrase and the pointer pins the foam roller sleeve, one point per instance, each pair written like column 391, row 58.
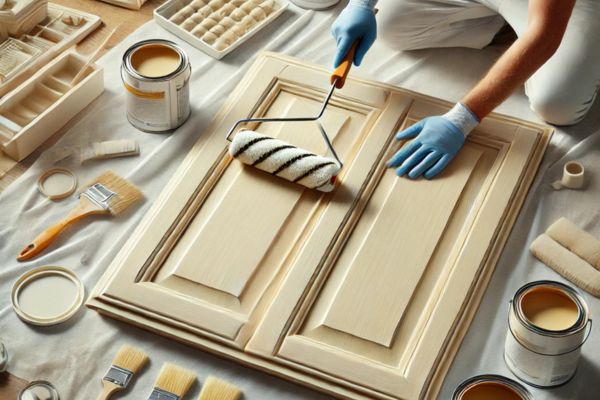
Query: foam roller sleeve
column 285, row 160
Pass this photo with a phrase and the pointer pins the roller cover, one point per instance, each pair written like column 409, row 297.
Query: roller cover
column 578, row 241
column 285, row 160
column 566, row 263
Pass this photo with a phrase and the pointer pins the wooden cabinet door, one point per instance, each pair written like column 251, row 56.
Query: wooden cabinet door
column 362, row 292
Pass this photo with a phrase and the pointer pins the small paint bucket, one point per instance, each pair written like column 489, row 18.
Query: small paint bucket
column 156, row 76
column 548, row 323
column 491, row 387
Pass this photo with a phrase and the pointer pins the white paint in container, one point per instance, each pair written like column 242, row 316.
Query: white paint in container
column 491, row 387
column 156, row 76
column 548, row 324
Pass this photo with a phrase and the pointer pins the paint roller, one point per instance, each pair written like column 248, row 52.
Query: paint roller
column 285, row 160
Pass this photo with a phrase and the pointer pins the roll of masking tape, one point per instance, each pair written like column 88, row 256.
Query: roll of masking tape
column 573, row 176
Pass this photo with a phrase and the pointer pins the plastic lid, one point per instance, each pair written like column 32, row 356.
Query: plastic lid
column 47, row 295
column 57, row 183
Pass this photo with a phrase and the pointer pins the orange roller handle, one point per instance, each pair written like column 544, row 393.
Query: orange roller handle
column 341, row 72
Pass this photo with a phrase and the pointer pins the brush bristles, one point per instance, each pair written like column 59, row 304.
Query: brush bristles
column 216, row 389
column 127, row 193
column 130, row 358
column 174, row 379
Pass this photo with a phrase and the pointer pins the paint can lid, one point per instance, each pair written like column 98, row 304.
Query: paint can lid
column 57, row 183
column 39, row 390
column 47, row 295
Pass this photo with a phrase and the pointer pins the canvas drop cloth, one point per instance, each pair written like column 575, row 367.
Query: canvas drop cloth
column 75, row 355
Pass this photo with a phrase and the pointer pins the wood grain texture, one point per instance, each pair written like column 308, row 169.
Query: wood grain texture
column 112, row 17
column 364, row 292
column 10, row 385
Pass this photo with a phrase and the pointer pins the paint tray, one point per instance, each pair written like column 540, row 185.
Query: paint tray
column 217, row 27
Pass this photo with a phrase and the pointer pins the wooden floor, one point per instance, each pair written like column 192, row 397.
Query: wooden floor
column 112, row 16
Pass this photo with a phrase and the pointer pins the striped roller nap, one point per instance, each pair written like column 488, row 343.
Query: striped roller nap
column 284, row 160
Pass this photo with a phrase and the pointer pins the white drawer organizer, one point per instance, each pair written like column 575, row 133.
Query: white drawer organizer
column 21, row 56
column 20, row 16
column 45, row 102
column 217, row 27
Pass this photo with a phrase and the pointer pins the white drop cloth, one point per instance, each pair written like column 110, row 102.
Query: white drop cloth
column 75, row 355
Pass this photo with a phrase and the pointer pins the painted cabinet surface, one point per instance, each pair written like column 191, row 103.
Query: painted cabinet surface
column 364, row 292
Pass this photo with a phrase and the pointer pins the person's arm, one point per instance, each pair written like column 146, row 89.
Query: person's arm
column 438, row 139
column 545, row 29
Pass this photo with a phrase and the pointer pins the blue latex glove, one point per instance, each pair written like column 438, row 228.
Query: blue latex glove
column 437, row 141
column 355, row 22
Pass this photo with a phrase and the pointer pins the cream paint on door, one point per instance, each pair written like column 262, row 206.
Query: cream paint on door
column 266, row 209
column 357, row 292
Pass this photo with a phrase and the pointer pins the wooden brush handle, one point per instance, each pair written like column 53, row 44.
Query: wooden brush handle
column 44, row 239
column 341, row 72
column 108, row 390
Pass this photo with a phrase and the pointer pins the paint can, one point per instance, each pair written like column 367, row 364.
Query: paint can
column 548, row 323
column 156, row 76
column 491, row 387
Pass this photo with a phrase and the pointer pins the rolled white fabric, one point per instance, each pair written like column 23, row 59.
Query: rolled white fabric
column 284, row 160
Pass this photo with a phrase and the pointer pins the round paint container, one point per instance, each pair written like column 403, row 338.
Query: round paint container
column 156, row 76
column 315, row 4
column 491, row 387
column 47, row 295
column 548, row 323
column 38, row 390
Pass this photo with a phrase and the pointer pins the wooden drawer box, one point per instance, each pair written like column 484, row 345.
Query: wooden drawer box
column 40, row 106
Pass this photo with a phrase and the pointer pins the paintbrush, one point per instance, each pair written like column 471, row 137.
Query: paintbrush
column 128, row 361
column 216, row 389
column 109, row 194
column 81, row 74
column 172, row 383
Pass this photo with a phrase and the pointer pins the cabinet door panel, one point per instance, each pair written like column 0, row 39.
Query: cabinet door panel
column 364, row 292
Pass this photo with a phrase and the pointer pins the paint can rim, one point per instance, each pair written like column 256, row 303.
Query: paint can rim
column 515, row 386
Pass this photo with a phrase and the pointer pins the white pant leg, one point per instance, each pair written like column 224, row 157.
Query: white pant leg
column 419, row 24
column 564, row 88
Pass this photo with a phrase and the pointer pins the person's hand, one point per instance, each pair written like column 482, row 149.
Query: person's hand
column 355, row 22
column 436, row 142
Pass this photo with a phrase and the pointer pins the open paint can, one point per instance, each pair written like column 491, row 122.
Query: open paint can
column 548, row 323
column 491, row 387
column 156, row 75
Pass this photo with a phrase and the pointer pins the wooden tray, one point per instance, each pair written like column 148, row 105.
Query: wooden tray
column 131, row 4
column 44, row 42
column 44, row 103
column 23, row 15
column 165, row 16
column 365, row 292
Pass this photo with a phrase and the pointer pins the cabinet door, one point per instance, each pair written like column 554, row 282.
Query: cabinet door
column 364, row 292
column 223, row 233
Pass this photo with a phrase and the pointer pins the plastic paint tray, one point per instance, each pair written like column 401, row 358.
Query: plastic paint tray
column 171, row 7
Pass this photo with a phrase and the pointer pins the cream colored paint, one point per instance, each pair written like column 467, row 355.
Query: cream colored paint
column 57, row 184
column 155, row 61
column 490, row 391
column 549, row 309
column 48, row 297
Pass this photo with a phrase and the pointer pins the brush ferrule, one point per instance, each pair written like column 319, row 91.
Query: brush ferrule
column 99, row 194
column 118, row 376
column 159, row 394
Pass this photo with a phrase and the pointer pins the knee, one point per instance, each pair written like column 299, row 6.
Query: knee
column 557, row 109
column 394, row 27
